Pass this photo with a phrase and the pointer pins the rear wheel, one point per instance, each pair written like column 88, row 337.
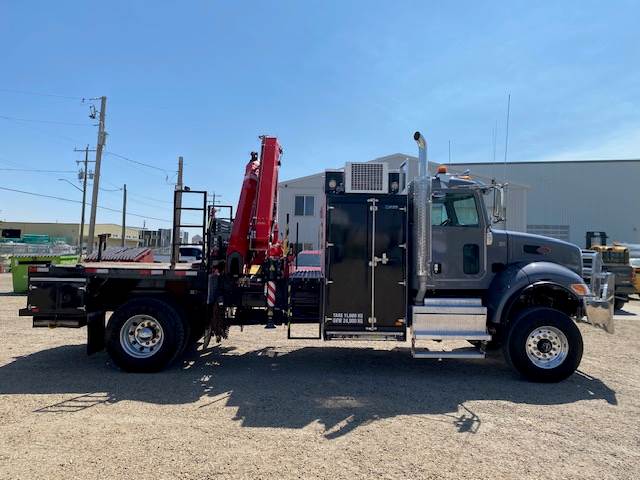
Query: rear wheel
column 543, row 344
column 618, row 303
column 145, row 335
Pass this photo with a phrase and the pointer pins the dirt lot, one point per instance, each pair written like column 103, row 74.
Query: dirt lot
column 261, row 407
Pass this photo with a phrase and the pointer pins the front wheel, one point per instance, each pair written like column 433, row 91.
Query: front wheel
column 618, row 303
column 145, row 335
column 543, row 344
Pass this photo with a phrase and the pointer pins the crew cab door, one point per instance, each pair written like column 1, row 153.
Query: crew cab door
column 459, row 240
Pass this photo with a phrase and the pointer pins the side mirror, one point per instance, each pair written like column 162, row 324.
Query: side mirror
column 499, row 208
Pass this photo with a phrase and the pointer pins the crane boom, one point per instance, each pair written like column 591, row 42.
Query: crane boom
column 254, row 228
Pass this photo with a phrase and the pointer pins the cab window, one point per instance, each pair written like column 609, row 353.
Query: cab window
column 455, row 210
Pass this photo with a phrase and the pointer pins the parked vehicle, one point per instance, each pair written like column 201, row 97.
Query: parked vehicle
column 635, row 263
column 191, row 254
column 421, row 263
column 308, row 261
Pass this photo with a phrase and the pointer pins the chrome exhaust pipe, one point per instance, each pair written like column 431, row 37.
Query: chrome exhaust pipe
column 421, row 194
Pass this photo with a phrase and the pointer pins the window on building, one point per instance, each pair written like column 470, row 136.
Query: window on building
column 561, row 232
column 304, row 205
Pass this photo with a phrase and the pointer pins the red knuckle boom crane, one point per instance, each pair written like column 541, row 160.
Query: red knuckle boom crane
column 254, row 234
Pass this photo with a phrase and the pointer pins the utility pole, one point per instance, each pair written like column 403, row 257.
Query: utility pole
column 96, row 176
column 85, row 176
column 84, row 196
column 177, row 205
column 124, row 212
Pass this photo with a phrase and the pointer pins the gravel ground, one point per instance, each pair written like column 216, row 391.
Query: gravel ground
column 259, row 406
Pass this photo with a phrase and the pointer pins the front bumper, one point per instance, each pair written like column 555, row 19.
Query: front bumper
column 599, row 305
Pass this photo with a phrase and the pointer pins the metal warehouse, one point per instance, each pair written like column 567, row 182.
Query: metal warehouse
column 561, row 199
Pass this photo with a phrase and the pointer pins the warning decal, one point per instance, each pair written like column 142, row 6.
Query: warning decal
column 347, row 318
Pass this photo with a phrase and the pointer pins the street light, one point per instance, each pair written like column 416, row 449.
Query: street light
column 70, row 183
column 84, row 200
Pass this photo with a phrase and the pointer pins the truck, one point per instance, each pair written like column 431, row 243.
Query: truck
column 615, row 259
column 416, row 262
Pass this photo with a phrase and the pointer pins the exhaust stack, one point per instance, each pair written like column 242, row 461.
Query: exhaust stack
column 421, row 196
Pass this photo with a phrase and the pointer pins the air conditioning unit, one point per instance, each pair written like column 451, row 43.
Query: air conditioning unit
column 370, row 177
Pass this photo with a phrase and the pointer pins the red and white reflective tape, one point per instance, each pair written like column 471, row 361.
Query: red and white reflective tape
column 270, row 291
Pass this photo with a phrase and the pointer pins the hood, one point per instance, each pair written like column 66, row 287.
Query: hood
column 528, row 247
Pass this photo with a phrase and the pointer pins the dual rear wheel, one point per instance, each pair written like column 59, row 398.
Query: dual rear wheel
column 146, row 335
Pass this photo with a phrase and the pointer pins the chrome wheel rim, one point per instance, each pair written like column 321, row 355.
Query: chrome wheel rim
column 547, row 347
column 141, row 336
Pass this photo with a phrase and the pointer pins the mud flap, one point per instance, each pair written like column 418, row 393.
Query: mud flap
column 216, row 313
column 95, row 332
column 600, row 305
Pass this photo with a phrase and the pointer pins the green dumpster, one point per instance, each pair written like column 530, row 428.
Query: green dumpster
column 20, row 267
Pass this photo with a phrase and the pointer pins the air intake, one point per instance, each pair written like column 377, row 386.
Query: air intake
column 367, row 177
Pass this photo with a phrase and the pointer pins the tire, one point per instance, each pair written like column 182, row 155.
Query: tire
column 143, row 321
column 618, row 304
column 543, row 345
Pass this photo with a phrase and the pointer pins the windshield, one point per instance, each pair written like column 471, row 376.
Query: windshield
column 308, row 260
column 635, row 262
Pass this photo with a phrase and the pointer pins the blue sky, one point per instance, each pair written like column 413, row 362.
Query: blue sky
column 335, row 81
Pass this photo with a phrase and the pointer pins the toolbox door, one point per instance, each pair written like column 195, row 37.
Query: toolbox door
column 388, row 263
column 348, row 286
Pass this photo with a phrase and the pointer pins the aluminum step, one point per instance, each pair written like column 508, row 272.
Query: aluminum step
column 365, row 336
column 431, row 335
column 469, row 352
column 450, row 319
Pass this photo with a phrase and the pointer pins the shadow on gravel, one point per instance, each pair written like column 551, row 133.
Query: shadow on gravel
column 341, row 388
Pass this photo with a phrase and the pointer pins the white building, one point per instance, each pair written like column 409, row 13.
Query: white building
column 566, row 199
column 302, row 199
column 559, row 199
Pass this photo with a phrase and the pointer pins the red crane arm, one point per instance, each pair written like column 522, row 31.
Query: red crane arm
column 254, row 224
column 267, row 195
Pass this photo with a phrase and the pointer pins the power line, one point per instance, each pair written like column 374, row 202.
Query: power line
column 69, row 200
column 55, row 122
column 137, row 195
column 38, row 94
column 151, row 198
column 110, row 190
column 50, row 134
column 35, row 170
column 137, row 162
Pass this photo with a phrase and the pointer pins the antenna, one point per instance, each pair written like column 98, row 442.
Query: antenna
column 449, row 152
column 495, row 138
column 506, row 138
column 506, row 145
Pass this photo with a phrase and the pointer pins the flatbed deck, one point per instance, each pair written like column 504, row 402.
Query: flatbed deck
column 141, row 266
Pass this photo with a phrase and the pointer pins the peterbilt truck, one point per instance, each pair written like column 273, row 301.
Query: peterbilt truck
column 414, row 262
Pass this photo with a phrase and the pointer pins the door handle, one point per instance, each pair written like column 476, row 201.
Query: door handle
column 383, row 260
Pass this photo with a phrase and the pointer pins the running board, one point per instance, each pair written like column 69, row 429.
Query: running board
column 366, row 336
column 469, row 352
column 483, row 337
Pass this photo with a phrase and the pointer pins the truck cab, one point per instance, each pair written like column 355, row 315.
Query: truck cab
column 426, row 265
